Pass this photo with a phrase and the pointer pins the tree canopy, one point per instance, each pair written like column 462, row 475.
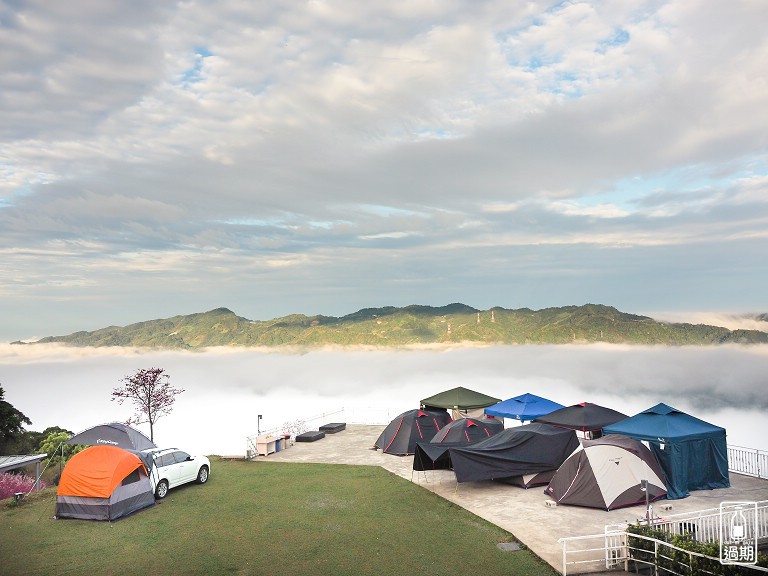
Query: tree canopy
column 11, row 423
column 152, row 394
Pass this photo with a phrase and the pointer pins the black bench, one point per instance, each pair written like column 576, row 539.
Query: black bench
column 333, row 428
column 310, row 436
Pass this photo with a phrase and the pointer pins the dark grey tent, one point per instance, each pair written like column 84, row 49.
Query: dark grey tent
column 607, row 473
column 692, row 453
column 527, row 449
column 434, row 455
column 113, row 434
column 412, row 426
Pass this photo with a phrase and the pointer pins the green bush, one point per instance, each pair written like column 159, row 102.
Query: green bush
column 671, row 560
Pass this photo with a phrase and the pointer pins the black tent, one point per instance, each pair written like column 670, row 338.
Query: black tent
column 402, row 433
column 526, row 449
column 585, row 417
column 434, row 455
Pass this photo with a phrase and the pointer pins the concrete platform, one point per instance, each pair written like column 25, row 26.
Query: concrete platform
column 519, row 511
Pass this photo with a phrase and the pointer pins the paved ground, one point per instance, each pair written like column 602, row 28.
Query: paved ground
column 521, row 512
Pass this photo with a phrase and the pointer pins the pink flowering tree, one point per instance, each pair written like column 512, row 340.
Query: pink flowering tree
column 10, row 484
column 152, row 395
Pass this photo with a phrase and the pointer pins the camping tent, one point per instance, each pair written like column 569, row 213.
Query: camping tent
column 434, row 455
column 585, row 417
column 607, row 473
column 525, row 407
column 114, row 434
column 526, row 449
column 461, row 401
column 692, row 453
column 103, row 483
column 402, row 433
column 468, row 430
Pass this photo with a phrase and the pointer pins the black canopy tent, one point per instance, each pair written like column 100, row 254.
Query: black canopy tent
column 584, row 417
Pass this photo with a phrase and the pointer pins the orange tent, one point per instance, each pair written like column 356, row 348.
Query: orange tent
column 103, row 482
column 97, row 471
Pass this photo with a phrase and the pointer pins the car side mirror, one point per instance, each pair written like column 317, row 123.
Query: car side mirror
column 189, row 458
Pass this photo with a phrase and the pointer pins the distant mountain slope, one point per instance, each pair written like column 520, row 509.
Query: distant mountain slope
column 391, row 326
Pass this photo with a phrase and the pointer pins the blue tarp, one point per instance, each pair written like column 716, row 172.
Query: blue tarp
column 525, row 407
column 692, row 453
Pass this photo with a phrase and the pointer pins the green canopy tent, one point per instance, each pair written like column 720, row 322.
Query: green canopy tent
column 461, row 401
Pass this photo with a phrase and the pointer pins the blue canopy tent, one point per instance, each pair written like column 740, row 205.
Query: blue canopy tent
column 692, row 453
column 524, row 407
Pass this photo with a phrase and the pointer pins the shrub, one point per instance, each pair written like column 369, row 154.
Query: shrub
column 672, row 559
column 12, row 483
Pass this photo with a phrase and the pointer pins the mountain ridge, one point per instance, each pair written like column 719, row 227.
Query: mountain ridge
column 414, row 324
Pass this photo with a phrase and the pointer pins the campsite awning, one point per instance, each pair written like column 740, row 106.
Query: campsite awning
column 461, row 398
column 586, row 417
column 524, row 407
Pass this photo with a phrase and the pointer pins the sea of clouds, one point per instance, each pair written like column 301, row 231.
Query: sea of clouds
column 225, row 388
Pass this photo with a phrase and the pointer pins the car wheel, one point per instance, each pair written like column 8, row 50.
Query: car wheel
column 162, row 489
column 202, row 475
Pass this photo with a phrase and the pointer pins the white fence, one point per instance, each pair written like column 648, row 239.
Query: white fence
column 619, row 550
column 749, row 461
column 348, row 415
column 703, row 525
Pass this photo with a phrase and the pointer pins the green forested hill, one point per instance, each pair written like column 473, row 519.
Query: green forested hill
column 391, row 326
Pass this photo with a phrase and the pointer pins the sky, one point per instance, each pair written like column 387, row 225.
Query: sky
column 161, row 158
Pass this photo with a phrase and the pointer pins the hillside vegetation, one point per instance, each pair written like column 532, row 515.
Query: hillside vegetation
column 391, row 326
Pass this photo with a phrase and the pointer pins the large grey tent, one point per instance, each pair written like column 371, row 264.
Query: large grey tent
column 527, row 449
column 608, row 473
column 461, row 401
column 692, row 453
column 113, row 434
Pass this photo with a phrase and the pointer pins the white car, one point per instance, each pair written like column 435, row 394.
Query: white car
column 173, row 467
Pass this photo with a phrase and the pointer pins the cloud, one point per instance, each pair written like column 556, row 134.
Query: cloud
column 286, row 145
column 226, row 387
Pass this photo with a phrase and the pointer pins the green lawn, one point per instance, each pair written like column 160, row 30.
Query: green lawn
column 268, row 518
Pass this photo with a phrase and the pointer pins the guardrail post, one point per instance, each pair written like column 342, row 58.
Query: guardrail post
column 565, row 566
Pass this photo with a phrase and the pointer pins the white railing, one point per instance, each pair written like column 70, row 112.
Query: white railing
column 609, row 548
column 618, row 549
column 354, row 415
column 748, row 461
column 702, row 525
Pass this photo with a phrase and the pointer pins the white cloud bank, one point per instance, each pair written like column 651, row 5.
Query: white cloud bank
column 227, row 388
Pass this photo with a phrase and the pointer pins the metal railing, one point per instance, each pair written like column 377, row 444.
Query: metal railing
column 616, row 550
column 354, row 415
column 748, row 461
column 702, row 525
